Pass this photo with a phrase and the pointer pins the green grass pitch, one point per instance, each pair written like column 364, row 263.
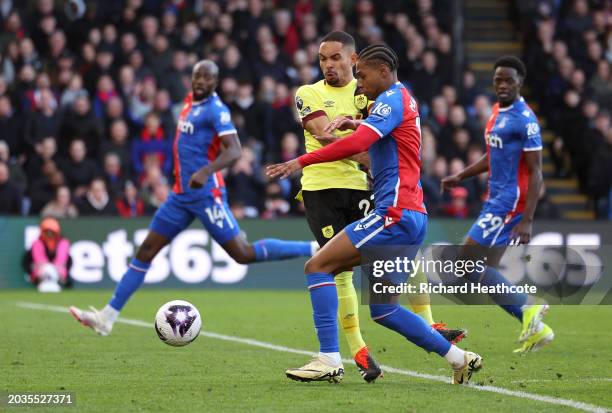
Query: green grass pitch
column 132, row 370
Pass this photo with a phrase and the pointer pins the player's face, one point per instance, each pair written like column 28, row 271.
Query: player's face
column 203, row 82
column 337, row 61
column 369, row 79
column 507, row 84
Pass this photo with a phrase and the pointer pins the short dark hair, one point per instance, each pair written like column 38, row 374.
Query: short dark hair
column 340, row 37
column 380, row 53
column 512, row 62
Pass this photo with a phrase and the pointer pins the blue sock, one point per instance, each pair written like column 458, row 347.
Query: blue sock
column 411, row 326
column 511, row 303
column 324, row 299
column 270, row 249
column 131, row 280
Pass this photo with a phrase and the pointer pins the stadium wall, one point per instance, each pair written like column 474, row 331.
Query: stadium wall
column 101, row 249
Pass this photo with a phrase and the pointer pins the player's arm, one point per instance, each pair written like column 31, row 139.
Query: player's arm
column 357, row 142
column 318, row 127
column 230, row 152
column 480, row 166
column 522, row 231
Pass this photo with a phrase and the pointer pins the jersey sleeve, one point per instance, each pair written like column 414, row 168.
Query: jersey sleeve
column 222, row 121
column 386, row 114
column 530, row 134
column 307, row 103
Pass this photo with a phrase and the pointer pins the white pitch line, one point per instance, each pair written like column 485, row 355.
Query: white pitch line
column 388, row 369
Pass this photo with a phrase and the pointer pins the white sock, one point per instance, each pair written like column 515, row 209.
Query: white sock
column 333, row 359
column 110, row 313
column 314, row 247
column 455, row 356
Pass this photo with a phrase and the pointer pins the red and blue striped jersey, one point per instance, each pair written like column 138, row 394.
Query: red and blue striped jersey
column 510, row 132
column 198, row 142
column 395, row 158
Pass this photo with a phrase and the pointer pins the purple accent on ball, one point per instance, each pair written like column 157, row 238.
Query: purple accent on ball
column 180, row 327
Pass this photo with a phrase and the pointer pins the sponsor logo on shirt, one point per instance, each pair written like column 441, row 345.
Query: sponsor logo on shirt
column 494, row 141
column 185, row 127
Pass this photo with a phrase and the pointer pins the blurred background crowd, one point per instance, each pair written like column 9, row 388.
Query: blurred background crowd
column 90, row 92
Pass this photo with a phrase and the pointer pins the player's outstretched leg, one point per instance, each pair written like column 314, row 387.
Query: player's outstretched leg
column 102, row 321
column 421, row 306
column 268, row 249
column 414, row 328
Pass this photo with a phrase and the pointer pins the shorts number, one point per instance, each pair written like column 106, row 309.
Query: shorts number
column 216, row 215
column 365, row 205
column 489, row 224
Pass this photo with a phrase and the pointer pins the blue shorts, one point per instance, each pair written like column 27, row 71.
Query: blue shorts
column 379, row 239
column 376, row 230
column 494, row 226
column 179, row 210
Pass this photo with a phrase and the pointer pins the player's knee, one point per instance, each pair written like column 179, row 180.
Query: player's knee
column 312, row 265
column 379, row 311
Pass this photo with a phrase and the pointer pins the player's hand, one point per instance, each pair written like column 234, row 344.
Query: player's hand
column 521, row 234
column 326, row 139
column 283, row 170
column 199, row 178
column 449, row 182
column 340, row 123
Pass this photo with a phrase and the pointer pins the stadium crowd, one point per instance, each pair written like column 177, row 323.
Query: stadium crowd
column 89, row 96
column 569, row 57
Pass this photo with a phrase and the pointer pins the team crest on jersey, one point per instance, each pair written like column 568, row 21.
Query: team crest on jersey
column 328, row 231
column 494, row 141
column 361, row 101
column 329, row 103
column 185, row 126
column 299, row 103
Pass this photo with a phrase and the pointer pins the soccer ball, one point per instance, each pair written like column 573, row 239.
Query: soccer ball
column 178, row 323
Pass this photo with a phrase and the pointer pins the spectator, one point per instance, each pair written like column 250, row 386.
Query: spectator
column 78, row 169
column 152, row 142
column 12, row 126
column 18, row 176
column 44, row 121
column 457, row 207
column 10, row 197
column 80, row 123
column 129, row 204
column 43, row 190
column 48, row 261
column 61, row 206
column 117, row 144
column 174, row 80
column 426, row 82
column 45, row 152
column 245, row 181
column 115, row 179
column 97, row 201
